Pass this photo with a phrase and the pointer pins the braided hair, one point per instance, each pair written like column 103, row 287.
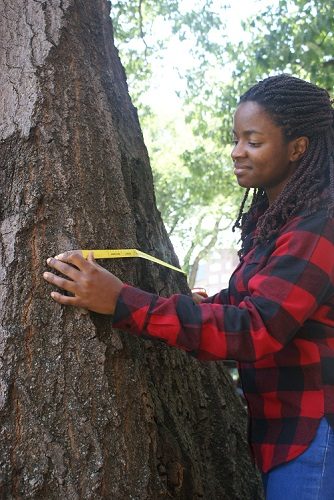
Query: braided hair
column 299, row 108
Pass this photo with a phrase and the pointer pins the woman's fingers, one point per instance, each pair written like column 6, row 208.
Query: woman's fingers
column 91, row 257
column 60, row 282
column 73, row 257
column 197, row 298
column 65, row 269
column 92, row 286
column 64, row 299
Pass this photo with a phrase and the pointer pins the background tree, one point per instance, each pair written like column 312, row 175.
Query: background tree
column 284, row 35
column 87, row 412
column 192, row 175
column 295, row 36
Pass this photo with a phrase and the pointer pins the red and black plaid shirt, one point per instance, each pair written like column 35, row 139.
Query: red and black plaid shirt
column 277, row 319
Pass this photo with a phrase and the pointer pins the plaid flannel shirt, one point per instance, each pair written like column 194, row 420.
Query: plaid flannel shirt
column 276, row 319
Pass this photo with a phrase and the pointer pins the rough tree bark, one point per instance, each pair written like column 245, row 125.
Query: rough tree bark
column 87, row 412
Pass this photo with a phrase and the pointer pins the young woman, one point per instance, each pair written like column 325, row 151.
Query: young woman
column 277, row 316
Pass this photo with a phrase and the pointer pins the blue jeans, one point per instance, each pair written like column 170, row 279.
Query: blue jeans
column 310, row 476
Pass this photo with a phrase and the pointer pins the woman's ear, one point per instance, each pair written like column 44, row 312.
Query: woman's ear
column 299, row 146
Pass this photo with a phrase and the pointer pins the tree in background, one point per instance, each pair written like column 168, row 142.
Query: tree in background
column 85, row 412
column 195, row 188
column 296, row 36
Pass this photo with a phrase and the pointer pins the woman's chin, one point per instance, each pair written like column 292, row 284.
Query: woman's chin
column 244, row 182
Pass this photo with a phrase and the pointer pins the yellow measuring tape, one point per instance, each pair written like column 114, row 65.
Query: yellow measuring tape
column 127, row 252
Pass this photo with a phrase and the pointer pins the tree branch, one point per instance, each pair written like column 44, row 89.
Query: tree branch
column 141, row 26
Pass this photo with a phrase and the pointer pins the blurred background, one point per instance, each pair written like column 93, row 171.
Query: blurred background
column 187, row 62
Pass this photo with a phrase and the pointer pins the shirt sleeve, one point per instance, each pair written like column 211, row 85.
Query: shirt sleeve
column 296, row 279
column 219, row 298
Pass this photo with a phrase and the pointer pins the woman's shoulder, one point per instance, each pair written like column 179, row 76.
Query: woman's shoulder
column 318, row 222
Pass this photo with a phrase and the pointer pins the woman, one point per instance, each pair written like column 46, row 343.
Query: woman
column 277, row 316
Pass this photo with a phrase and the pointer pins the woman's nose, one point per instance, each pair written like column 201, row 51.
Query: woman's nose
column 238, row 151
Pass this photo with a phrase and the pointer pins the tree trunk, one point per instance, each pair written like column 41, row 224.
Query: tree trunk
column 87, row 412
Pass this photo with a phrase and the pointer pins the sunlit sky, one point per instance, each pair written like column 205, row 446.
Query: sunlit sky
column 167, row 78
column 168, row 72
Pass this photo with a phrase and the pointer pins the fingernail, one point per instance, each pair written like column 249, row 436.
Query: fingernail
column 48, row 260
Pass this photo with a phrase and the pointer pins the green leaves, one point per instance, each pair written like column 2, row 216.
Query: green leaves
column 144, row 27
column 297, row 36
column 191, row 164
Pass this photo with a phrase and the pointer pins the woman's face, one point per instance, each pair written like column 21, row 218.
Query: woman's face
column 261, row 155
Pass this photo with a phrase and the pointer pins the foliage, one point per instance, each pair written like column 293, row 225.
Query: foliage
column 143, row 29
column 295, row 36
column 189, row 180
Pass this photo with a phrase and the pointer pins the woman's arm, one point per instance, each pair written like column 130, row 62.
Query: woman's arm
column 297, row 278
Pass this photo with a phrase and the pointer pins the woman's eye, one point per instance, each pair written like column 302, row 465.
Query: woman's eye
column 254, row 144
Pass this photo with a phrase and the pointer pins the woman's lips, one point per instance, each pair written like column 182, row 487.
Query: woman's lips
column 240, row 170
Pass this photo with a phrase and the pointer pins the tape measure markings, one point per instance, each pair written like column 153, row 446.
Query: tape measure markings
column 127, row 252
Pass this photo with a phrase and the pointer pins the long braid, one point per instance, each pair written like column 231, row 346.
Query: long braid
column 300, row 109
column 238, row 222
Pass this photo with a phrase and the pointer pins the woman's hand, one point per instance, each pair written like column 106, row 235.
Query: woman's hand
column 90, row 285
column 198, row 295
